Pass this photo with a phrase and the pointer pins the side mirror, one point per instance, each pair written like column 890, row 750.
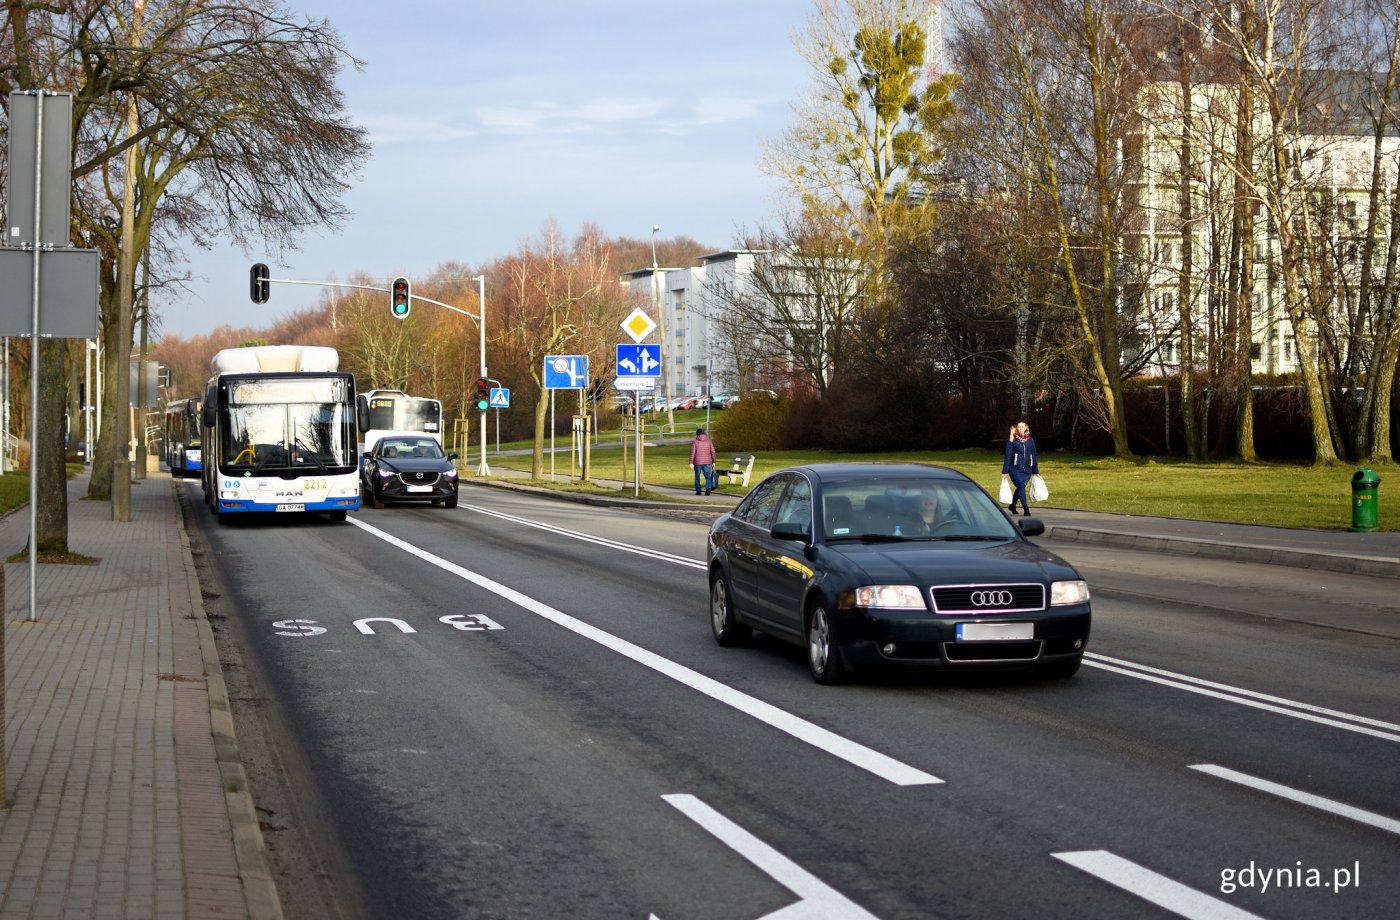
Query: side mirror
column 791, row 531
column 207, row 415
column 1031, row 527
column 452, row 455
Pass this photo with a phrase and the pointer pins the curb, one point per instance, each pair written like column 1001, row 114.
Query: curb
column 250, row 851
column 1186, row 546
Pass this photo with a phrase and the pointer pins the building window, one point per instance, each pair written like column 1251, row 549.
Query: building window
column 1166, row 301
column 1256, row 351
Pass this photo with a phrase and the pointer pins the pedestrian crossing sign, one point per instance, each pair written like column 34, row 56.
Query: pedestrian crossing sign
column 500, row 398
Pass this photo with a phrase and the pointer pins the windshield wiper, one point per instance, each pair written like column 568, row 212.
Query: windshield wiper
column 308, row 452
column 953, row 537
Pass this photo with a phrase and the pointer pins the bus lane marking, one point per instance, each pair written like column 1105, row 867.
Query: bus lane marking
column 1387, row 731
column 1332, row 806
column 858, row 755
column 819, row 900
column 1156, row 889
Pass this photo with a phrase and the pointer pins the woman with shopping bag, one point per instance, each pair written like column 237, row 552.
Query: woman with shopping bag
column 1019, row 464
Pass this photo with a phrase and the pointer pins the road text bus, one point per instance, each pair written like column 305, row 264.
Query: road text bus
column 395, row 412
column 182, row 436
column 280, row 432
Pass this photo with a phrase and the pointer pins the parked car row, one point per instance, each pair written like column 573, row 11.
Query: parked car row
column 653, row 403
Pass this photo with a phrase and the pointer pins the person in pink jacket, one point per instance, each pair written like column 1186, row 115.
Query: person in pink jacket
column 702, row 461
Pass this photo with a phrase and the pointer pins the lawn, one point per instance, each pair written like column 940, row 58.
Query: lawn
column 1293, row 496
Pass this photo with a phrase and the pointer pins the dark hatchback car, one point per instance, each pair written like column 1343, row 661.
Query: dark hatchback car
column 902, row 566
column 409, row 469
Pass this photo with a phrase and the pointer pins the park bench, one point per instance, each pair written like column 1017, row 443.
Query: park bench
column 739, row 470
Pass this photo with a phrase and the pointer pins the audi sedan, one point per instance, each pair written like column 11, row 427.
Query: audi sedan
column 893, row 566
column 408, row 469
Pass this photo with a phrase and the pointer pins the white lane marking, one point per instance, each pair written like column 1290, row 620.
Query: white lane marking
column 819, row 900
column 1246, row 698
column 366, row 629
column 1157, row 889
column 1304, row 798
column 858, row 755
column 1250, row 693
column 591, row 538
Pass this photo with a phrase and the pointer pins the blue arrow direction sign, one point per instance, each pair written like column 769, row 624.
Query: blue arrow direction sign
column 566, row 372
column 500, row 398
column 639, row 360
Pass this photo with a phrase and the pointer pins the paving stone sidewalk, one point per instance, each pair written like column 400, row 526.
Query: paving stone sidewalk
column 126, row 796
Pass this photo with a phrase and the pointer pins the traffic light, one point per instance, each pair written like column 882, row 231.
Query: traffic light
column 400, row 298
column 258, row 288
column 483, row 394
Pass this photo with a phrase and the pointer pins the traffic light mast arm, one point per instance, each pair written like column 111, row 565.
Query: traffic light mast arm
column 383, row 290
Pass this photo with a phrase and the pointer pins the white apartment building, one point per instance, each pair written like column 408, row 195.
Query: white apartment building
column 690, row 311
column 1336, row 165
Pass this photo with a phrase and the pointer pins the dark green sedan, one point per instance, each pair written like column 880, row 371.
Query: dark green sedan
column 903, row 566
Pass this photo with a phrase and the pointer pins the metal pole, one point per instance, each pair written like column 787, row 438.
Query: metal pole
column 5, row 407
column 34, row 368
column 661, row 322
column 87, row 401
column 483, row 469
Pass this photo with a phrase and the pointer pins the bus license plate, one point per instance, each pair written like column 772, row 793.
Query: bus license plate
column 300, row 507
column 991, row 632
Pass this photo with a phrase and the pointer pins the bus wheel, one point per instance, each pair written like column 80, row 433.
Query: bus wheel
column 338, row 515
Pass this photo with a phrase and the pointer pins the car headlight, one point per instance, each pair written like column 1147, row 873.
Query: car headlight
column 450, row 473
column 1068, row 592
column 900, row 596
column 385, row 474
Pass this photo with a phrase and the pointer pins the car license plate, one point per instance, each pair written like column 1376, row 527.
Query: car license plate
column 297, row 507
column 993, row 632
column 420, row 488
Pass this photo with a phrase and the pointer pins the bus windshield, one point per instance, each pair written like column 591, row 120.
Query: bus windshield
column 303, row 436
column 404, row 413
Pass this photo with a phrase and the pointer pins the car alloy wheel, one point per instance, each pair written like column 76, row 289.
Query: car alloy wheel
column 728, row 631
column 823, row 658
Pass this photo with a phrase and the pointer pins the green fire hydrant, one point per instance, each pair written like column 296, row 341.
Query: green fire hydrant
column 1365, row 501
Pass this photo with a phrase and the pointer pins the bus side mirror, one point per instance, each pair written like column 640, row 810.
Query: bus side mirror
column 207, row 415
column 361, row 415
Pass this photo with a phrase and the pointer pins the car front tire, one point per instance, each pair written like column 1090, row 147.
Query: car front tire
column 727, row 630
column 823, row 657
column 451, row 501
column 375, row 501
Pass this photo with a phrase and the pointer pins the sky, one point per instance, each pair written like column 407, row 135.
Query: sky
column 488, row 119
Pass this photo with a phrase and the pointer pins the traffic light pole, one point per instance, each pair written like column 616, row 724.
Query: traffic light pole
column 479, row 318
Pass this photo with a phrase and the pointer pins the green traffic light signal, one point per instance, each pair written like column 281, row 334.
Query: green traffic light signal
column 483, row 394
column 400, row 298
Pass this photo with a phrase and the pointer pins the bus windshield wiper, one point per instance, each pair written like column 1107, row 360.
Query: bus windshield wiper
column 308, row 452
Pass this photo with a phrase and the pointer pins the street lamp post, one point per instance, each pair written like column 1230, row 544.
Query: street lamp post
column 661, row 322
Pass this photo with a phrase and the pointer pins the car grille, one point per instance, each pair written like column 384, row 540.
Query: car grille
column 972, row 599
column 419, row 479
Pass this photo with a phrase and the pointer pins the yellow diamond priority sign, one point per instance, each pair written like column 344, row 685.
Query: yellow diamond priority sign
column 638, row 325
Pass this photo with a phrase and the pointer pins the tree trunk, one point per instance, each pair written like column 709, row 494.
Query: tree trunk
column 47, row 457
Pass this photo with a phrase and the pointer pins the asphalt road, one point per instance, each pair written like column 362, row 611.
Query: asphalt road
column 515, row 709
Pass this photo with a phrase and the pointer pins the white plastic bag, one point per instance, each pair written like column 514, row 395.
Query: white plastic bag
column 1037, row 489
column 1006, row 494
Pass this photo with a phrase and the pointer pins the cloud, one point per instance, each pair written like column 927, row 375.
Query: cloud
column 552, row 118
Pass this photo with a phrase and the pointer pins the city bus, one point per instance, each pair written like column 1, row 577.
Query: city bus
column 395, row 412
column 182, row 436
column 280, row 428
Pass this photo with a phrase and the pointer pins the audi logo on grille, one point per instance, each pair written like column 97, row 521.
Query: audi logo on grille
column 991, row 598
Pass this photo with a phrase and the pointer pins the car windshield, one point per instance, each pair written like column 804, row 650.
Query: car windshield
column 405, row 448
column 896, row 509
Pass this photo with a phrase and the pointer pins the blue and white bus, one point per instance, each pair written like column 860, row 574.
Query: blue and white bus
column 280, row 432
column 183, row 437
column 395, row 412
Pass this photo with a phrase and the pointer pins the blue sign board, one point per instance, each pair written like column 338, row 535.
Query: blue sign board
column 639, row 360
column 500, row 398
column 566, row 372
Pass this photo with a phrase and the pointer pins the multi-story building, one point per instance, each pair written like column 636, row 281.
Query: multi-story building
column 1334, row 160
column 691, row 312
